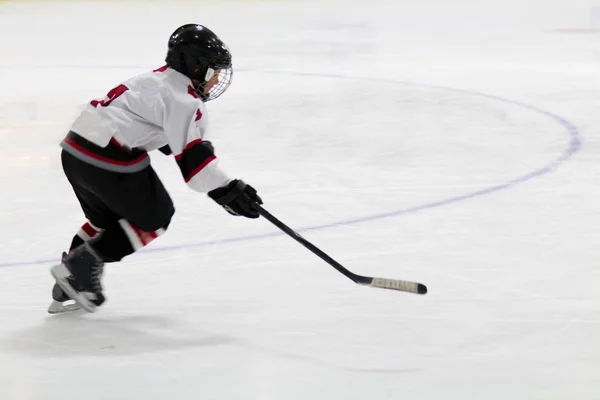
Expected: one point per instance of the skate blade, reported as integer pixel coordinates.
(60, 273)
(59, 308)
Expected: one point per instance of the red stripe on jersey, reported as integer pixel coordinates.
(111, 96)
(187, 147)
(199, 168)
(97, 157)
(161, 69)
(198, 115)
(87, 228)
(192, 92)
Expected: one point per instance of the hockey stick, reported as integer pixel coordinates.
(404, 286)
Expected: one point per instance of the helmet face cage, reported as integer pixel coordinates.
(224, 80)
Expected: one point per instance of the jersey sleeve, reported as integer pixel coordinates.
(185, 125)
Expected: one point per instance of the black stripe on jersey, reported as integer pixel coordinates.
(113, 153)
(113, 157)
(195, 157)
(166, 150)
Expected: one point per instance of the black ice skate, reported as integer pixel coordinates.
(79, 278)
(60, 301)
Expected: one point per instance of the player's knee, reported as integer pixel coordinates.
(156, 221)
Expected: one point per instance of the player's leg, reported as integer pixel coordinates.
(61, 302)
(133, 209)
(87, 232)
(144, 208)
(98, 215)
(80, 270)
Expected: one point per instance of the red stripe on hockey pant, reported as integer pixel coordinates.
(87, 228)
(145, 237)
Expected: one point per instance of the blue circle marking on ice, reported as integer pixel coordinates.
(572, 148)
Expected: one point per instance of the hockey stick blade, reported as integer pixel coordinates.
(382, 283)
(394, 284)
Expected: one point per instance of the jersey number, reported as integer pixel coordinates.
(113, 94)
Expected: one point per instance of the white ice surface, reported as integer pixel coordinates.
(325, 119)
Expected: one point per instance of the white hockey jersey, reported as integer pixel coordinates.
(145, 113)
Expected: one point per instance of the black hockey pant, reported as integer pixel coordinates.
(126, 211)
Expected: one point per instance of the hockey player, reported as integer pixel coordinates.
(105, 160)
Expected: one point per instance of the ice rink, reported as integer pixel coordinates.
(453, 143)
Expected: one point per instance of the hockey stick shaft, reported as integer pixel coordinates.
(405, 286)
(296, 236)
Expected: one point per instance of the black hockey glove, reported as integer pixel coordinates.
(236, 198)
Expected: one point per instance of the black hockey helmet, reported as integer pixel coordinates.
(195, 51)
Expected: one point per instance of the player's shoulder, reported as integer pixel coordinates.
(169, 78)
(177, 87)
(144, 85)
(149, 79)
(167, 87)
